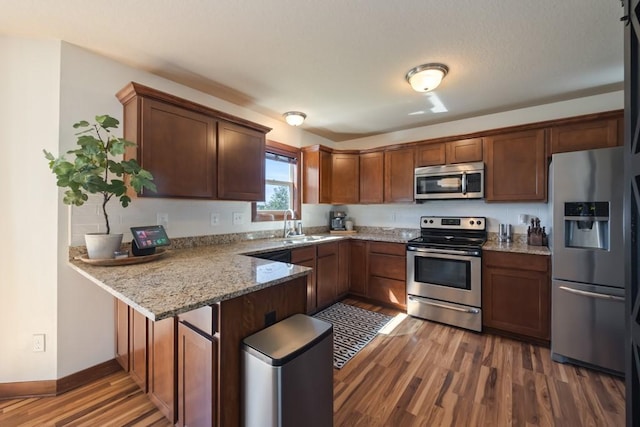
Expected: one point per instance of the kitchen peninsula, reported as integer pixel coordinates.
(180, 320)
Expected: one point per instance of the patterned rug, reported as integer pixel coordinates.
(353, 328)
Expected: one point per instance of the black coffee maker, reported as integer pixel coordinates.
(337, 220)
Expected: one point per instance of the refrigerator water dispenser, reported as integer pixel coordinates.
(586, 225)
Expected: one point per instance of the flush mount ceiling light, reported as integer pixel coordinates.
(294, 118)
(426, 77)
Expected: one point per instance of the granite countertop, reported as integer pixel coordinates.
(188, 278)
(516, 246)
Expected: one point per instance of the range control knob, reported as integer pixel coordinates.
(479, 222)
(430, 221)
(471, 222)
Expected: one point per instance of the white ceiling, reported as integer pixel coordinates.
(343, 62)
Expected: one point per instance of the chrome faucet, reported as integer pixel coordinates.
(287, 230)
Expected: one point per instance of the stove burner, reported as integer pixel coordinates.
(451, 233)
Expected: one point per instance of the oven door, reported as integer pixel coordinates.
(444, 276)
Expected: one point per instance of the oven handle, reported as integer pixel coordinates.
(451, 254)
(447, 307)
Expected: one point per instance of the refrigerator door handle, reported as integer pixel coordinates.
(592, 294)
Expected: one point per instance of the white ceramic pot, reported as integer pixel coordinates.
(101, 245)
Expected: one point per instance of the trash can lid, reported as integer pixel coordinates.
(284, 341)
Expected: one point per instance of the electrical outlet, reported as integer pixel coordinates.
(162, 219)
(215, 218)
(38, 342)
(237, 218)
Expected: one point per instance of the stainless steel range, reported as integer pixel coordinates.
(444, 271)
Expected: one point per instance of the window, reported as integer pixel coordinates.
(282, 183)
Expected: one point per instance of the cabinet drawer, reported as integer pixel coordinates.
(388, 248)
(204, 318)
(388, 291)
(303, 254)
(327, 249)
(516, 261)
(389, 266)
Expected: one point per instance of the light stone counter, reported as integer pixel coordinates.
(191, 277)
(516, 246)
(186, 279)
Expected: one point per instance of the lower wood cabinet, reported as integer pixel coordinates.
(516, 297)
(162, 366)
(306, 256)
(197, 380)
(358, 267)
(387, 273)
(327, 274)
(330, 277)
(184, 361)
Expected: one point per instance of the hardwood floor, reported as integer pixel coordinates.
(427, 374)
(421, 374)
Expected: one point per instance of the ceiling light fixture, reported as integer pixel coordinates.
(294, 118)
(426, 77)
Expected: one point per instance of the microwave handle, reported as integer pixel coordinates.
(464, 183)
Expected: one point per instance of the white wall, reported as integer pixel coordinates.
(29, 108)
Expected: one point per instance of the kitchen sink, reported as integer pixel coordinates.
(301, 239)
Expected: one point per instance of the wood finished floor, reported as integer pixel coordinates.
(421, 374)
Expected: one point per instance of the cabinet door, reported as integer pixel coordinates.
(372, 177)
(387, 273)
(178, 147)
(345, 179)
(516, 294)
(585, 136)
(327, 274)
(197, 380)
(316, 176)
(343, 267)
(516, 167)
(162, 366)
(398, 175)
(306, 256)
(138, 348)
(240, 163)
(465, 150)
(122, 333)
(430, 154)
(358, 267)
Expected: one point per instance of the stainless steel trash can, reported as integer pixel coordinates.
(288, 374)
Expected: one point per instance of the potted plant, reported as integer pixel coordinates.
(96, 170)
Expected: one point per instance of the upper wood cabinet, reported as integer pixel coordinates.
(431, 154)
(464, 150)
(440, 153)
(586, 135)
(193, 151)
(316, 174)
(240, 163)
(398, 175)
(345, 178)
(177, 146)
(516, 167)
(372, 177)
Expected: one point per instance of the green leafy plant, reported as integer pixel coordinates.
(95, 170)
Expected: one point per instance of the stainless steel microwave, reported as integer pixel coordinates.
(458, 181)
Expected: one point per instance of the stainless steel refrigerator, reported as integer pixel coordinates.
(587, 297)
